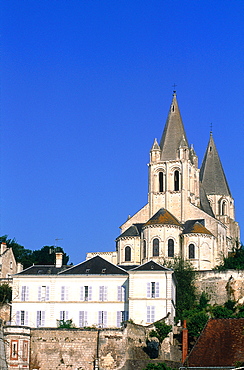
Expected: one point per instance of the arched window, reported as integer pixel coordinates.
(161, 181)
(191, 251)
(127, 253)
(176, 180)
(144, 248)
(155, 247)
(170, 248)
(223, 209)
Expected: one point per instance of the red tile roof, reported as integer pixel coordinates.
(220, 344)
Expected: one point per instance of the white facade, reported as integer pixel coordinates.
(93, 298)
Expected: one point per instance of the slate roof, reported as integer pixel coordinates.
(204, 202)
(95, 266)
(163, 217)
(174, 133)
(43, 270)
(220, 344)
(149, 266)
(212, 174)
(196, 227)
(134, 230)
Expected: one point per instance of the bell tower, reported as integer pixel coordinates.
(173, 172)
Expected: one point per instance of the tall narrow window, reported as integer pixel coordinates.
(223, 210)
(127, 253)
(150, 314)
(25, 293)
(102, 319)
(103, 293)
(82, 318)
(155, 247)
(40, 318)
(161, 181)
(191, 251)
(153, 289)
(170, 248)
(144, 248)
(176, 180)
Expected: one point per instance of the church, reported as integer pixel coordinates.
(190, 211)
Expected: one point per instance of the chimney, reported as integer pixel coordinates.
(19, 267)
(59, 259)
(184, 342)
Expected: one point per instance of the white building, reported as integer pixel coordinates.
(93, 293)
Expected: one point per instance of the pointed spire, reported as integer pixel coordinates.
(212, 174)
(155, 145)
(174, 133)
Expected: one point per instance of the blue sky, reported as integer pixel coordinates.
(86, 87)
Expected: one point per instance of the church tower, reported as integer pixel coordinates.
(173, 171)
(214, 181)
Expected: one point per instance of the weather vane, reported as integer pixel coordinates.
(174, 86)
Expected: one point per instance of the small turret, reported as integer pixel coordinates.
(155, 152)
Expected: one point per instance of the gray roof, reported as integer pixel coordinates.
(95, 266)
(212, 174)
(42, 270)
(174, 134)
(204, 202)
(151, 265)
(133, 230)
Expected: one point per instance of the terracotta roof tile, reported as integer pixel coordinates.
(163, 217)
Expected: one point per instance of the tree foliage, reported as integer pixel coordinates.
(159, 366)
(185, 289)
(161, 331)
(27, 257)
(5, 293)
(235, 261)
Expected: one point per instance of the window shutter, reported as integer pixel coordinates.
(148, 314)
(27, 294)
(62, 293)
(61, 315)
(26, 318)
(82, 318)
(23, 293)
(105, 293)
(39, 293)
(38, 318)
(119, 318)
(42, 318)
(148, 290)
(90, 293)
(47, 293)
(66, 315)
(81, 293)
(152, 313)
(157, 290)
(119, 294)
(100, 317)
(105, 319)
(17, 318)
(126, 315)
(66, 293)
(101, 289)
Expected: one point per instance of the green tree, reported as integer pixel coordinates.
(185, 289)
(161, 331)
(221, 312)
(196, 323)
(5, 293)
(235, 261)
(159, 366)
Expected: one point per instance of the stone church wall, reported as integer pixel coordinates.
(221, 286)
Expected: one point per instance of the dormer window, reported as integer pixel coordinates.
(103, 271)
(87, 271)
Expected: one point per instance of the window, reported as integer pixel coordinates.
(161, 181)
(155, 247)
(14, 350)
(24, 293)
(43, 293)
(223, 210)
(127, 253)
(191, 251)
(63, 315)
(150, 314)
(25, 350)
(103, 290)
(144, 249)
(11, 265)
(21, 318)
(64, 293)
(40, 318)
(121, 317)
(86, 293)
(82, 318)
(102, 319)
(153, 289)
(176, 180)
(170, 248)
(121, 293)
